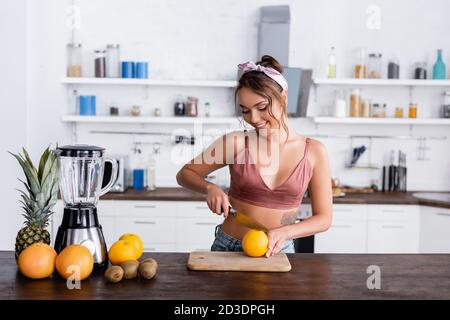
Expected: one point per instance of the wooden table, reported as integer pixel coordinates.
(313, 276)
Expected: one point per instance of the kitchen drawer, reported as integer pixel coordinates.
(146, 208)
(197, 230)
(195, 209)
(355, 212)
(393, 237)
(159, 247)
(434, 230)
(151, 230)
(393, 212)
(344, 236)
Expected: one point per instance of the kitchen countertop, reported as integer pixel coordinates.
(313, 276)
(181, 194)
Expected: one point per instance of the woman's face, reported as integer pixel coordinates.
(255, 109)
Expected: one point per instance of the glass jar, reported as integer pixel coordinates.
(113, 60)
(74, 60)
(374, 66)
(191, 107)
(360, 66)
(340, 104)
(420, 70)
(355, 101)
(398, 112)
(412, 110)
(445, 104)
(366, 108)
(379, 110)
(393, 69)
(100, 63)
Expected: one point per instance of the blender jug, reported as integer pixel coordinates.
(81, 169)
(81, 174)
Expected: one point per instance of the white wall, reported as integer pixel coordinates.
(13, 122)
(202, 39)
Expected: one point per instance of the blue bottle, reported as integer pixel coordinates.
(138, 179)
(439, 67)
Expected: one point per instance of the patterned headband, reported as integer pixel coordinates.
(270, 72)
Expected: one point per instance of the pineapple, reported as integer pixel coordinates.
(39, 199)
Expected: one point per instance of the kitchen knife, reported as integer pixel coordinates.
(246, 220)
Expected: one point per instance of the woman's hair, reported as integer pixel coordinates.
(264, 86)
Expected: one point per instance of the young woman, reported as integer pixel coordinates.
(271, 167)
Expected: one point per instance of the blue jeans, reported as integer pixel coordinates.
(225, 242)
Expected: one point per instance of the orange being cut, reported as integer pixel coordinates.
(255, 243)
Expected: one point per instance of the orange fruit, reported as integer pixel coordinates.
(137, 242)
(72, 256)
(122, 251)
(255, 243)
(37, 261)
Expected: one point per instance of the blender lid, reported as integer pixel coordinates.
(80, 150)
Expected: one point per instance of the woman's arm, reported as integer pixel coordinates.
(321, 200)
(217, 155)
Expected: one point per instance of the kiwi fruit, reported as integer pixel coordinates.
(148, 268)
(114, 274)
(130, 269)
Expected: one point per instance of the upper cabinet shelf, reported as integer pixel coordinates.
(151, 82)
(422, 121)
(143, 119)
(383, 82)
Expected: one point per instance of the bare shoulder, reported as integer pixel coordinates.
(317, 151)
(232, 143)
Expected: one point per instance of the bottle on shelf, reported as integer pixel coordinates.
(151, 168)
(439, 72)
(331, 66)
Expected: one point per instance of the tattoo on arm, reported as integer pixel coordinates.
(288, 218)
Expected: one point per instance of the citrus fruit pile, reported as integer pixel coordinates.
(40, 260)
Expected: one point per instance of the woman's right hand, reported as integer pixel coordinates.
(217, 200)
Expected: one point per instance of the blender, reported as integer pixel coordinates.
(81, 169)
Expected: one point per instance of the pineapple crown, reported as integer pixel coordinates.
(41, 186)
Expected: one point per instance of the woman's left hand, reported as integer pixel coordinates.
(277, 237)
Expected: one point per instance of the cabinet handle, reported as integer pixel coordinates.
(145, 206)
(149, 249)
(343, 209)
(443, 214)
(393, 211)
(392, 227)
(144, 222)
(343, 226)
(205, 223)
(201, 207)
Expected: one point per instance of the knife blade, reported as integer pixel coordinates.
(246, 220)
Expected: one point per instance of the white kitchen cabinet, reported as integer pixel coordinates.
(348, 231)
(434, 230)
(393, 229)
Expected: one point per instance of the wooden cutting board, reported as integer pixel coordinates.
(236, 261)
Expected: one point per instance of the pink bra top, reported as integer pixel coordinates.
(247, 184)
